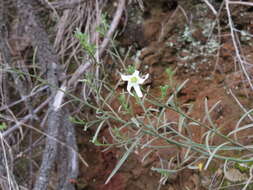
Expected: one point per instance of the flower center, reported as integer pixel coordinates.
(133, 79)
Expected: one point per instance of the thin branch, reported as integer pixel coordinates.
(66, 4)
(240, 3)
(23, 98)
(83, 67)
(17, 125)
(113, 26)
(211, 7)
(237, 51)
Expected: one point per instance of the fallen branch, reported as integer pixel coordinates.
(68, 158)
(49, 62)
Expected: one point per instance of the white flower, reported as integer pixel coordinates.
(134, 81)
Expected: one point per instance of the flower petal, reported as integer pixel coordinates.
(138, 90)
(141, 80)
(136, 73)
(129, 86)
(125, 77)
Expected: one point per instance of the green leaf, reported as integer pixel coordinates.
(162, 171)
(123, 159)
(3, 126)
(131, 69)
